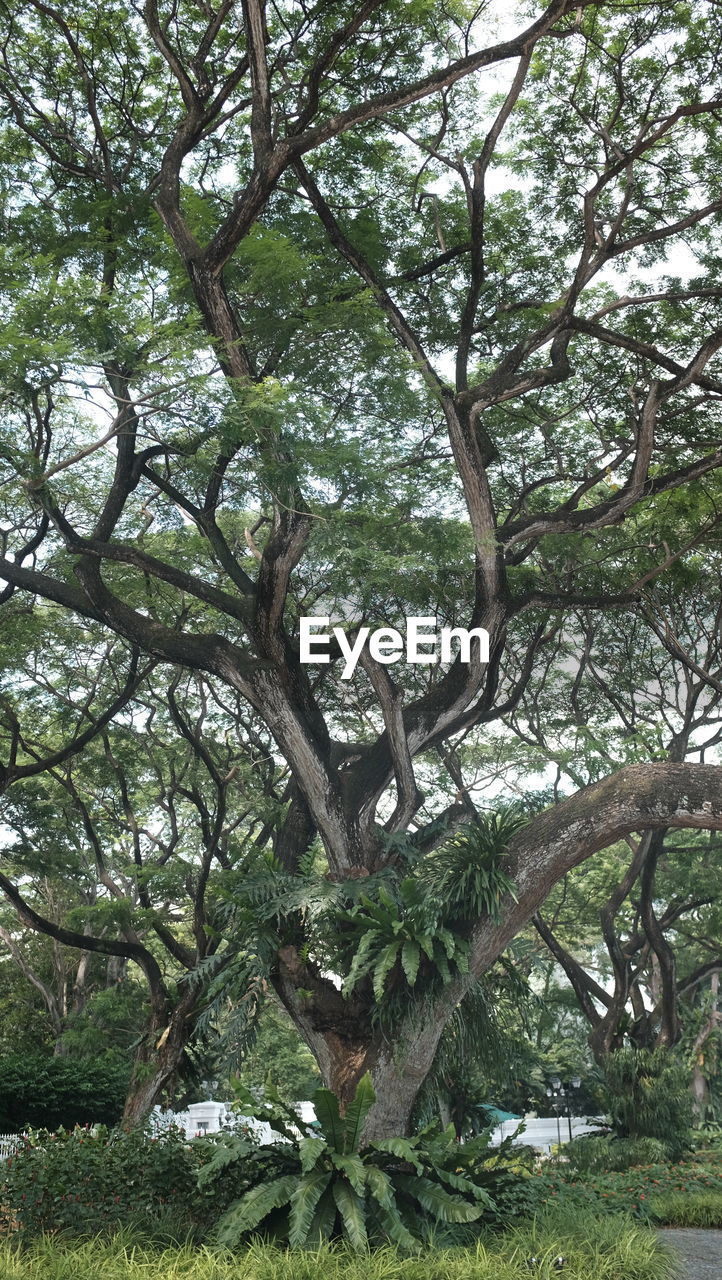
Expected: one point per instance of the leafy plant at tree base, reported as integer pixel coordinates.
(327, 1187)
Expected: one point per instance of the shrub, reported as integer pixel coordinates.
(648, 1096)
(688, 1209)
(597, 1154)
(613, 1193)
(87, 1181)
(47, 1093)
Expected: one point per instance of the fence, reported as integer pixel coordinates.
(9, 1142)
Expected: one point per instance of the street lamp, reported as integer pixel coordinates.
(559, 1093)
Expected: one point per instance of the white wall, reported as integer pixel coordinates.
(543, 1133)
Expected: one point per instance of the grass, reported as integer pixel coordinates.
(597, 1249)
(679, 1209)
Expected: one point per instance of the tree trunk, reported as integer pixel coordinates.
(157, 1063)
(700, 1081)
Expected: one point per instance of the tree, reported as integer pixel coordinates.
(248, 253)
(132, 848)
(653, 900)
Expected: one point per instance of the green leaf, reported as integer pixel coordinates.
(460, 1183)
(426, 942)
(324, 1218)
(410, 958)
(304, 1202)
(384, 965)
(397, 1232)
(352, 1167)
(438, 1202)
(379, 1186)
(403, 1148)
(442, 964)
(329, 1117)
(357, 1111)
(361, 961)
(351, 1207)
(309, 1149)
(448, 941)
(253, 1207)
(229, 1150)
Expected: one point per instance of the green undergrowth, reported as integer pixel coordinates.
(685, 1209)
(630, 1192)
(597, 1249)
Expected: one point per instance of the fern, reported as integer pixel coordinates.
(304, 1204)
(253, 1207)
(328, 1114)
(356, 1113)
(431, 1197)
(352, 1168)
(403, 1148)
(332, 1189)
(466, 874)
(309, 1149)
(391, 935)
(351, 1208)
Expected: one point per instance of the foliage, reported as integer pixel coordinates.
(648, 1096)
(593, 1253)
(680, 1209)
(254, 251)
(278, 1054)
(708, 1142)
(466, 873)
(85, 1181)
(631, 1192)
(601, 1154)
(38, 1092)
(325, 1185)
(396, 933)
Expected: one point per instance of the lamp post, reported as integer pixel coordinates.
(560, 1094)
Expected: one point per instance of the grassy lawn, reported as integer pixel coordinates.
(599, 1249)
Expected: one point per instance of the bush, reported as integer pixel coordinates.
(47, 1093)
(613, 1193)
(85, 1182)
(597, 1154)
(648, 1096)
(680, 1209)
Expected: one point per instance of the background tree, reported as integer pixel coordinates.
(207, 274)
(129, 851)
